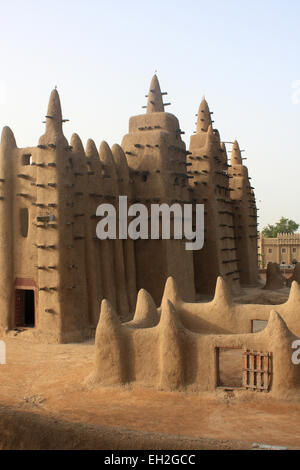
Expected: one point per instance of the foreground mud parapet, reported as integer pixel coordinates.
(182, 350)
(223, 315)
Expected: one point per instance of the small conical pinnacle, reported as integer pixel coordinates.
(54, 114)
(76, 143)
(210, 136)
(93, 157)
(236, 157)
(204, 117)
(223, 147)
(8, 138)
(155, 101)
(120, 162)
(91, 149)
(106, 154)
(106, 159)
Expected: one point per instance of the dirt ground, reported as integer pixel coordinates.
(42, 391)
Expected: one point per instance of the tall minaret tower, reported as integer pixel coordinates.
(8, 151)
(125, 189)
(156, 158)
(245, 217)
(63, 309)
(210, 183)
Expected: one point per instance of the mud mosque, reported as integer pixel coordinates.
(140, 298)
(54, 270)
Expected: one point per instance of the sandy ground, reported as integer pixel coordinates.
(43, 381)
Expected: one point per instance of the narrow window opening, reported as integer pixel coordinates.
(24, 222)
(26, 159)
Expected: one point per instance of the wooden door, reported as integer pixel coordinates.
(19, 307)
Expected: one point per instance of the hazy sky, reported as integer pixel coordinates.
(242, 55)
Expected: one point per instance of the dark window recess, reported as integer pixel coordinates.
(26, 160)
(24, 222)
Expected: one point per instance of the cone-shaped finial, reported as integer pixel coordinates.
(236, 156)
(108, 317)
(171, 291)
(91, 149)
(294, 297)
(169, 318)
(8, 138)
(277, 328)
(109, 353)
(54, 114)
(105, 153)
(224, 156)
(120, 161)
(222, 293)
(145, 313)
(155, 101)
(210, 136)
(76, 143)
(217, 136)
(204, 117)
(107, 160)
(171, 365)
(93, 156)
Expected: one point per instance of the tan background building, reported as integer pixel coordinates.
(282, 250)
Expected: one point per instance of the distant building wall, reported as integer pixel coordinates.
(284, 249)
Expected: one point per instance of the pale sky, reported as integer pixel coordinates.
(242, 55)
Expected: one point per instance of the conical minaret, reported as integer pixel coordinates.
(62, 316)
(236, 156)
(245, 217)
(93, 244)
(128, 245)
(18, 231)
(8, 150)
(109, 192)
(156, 157)
(54, 117)
(155, 100)
(79, 224)
(210, 186)
(113, 261)
(204, 117)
